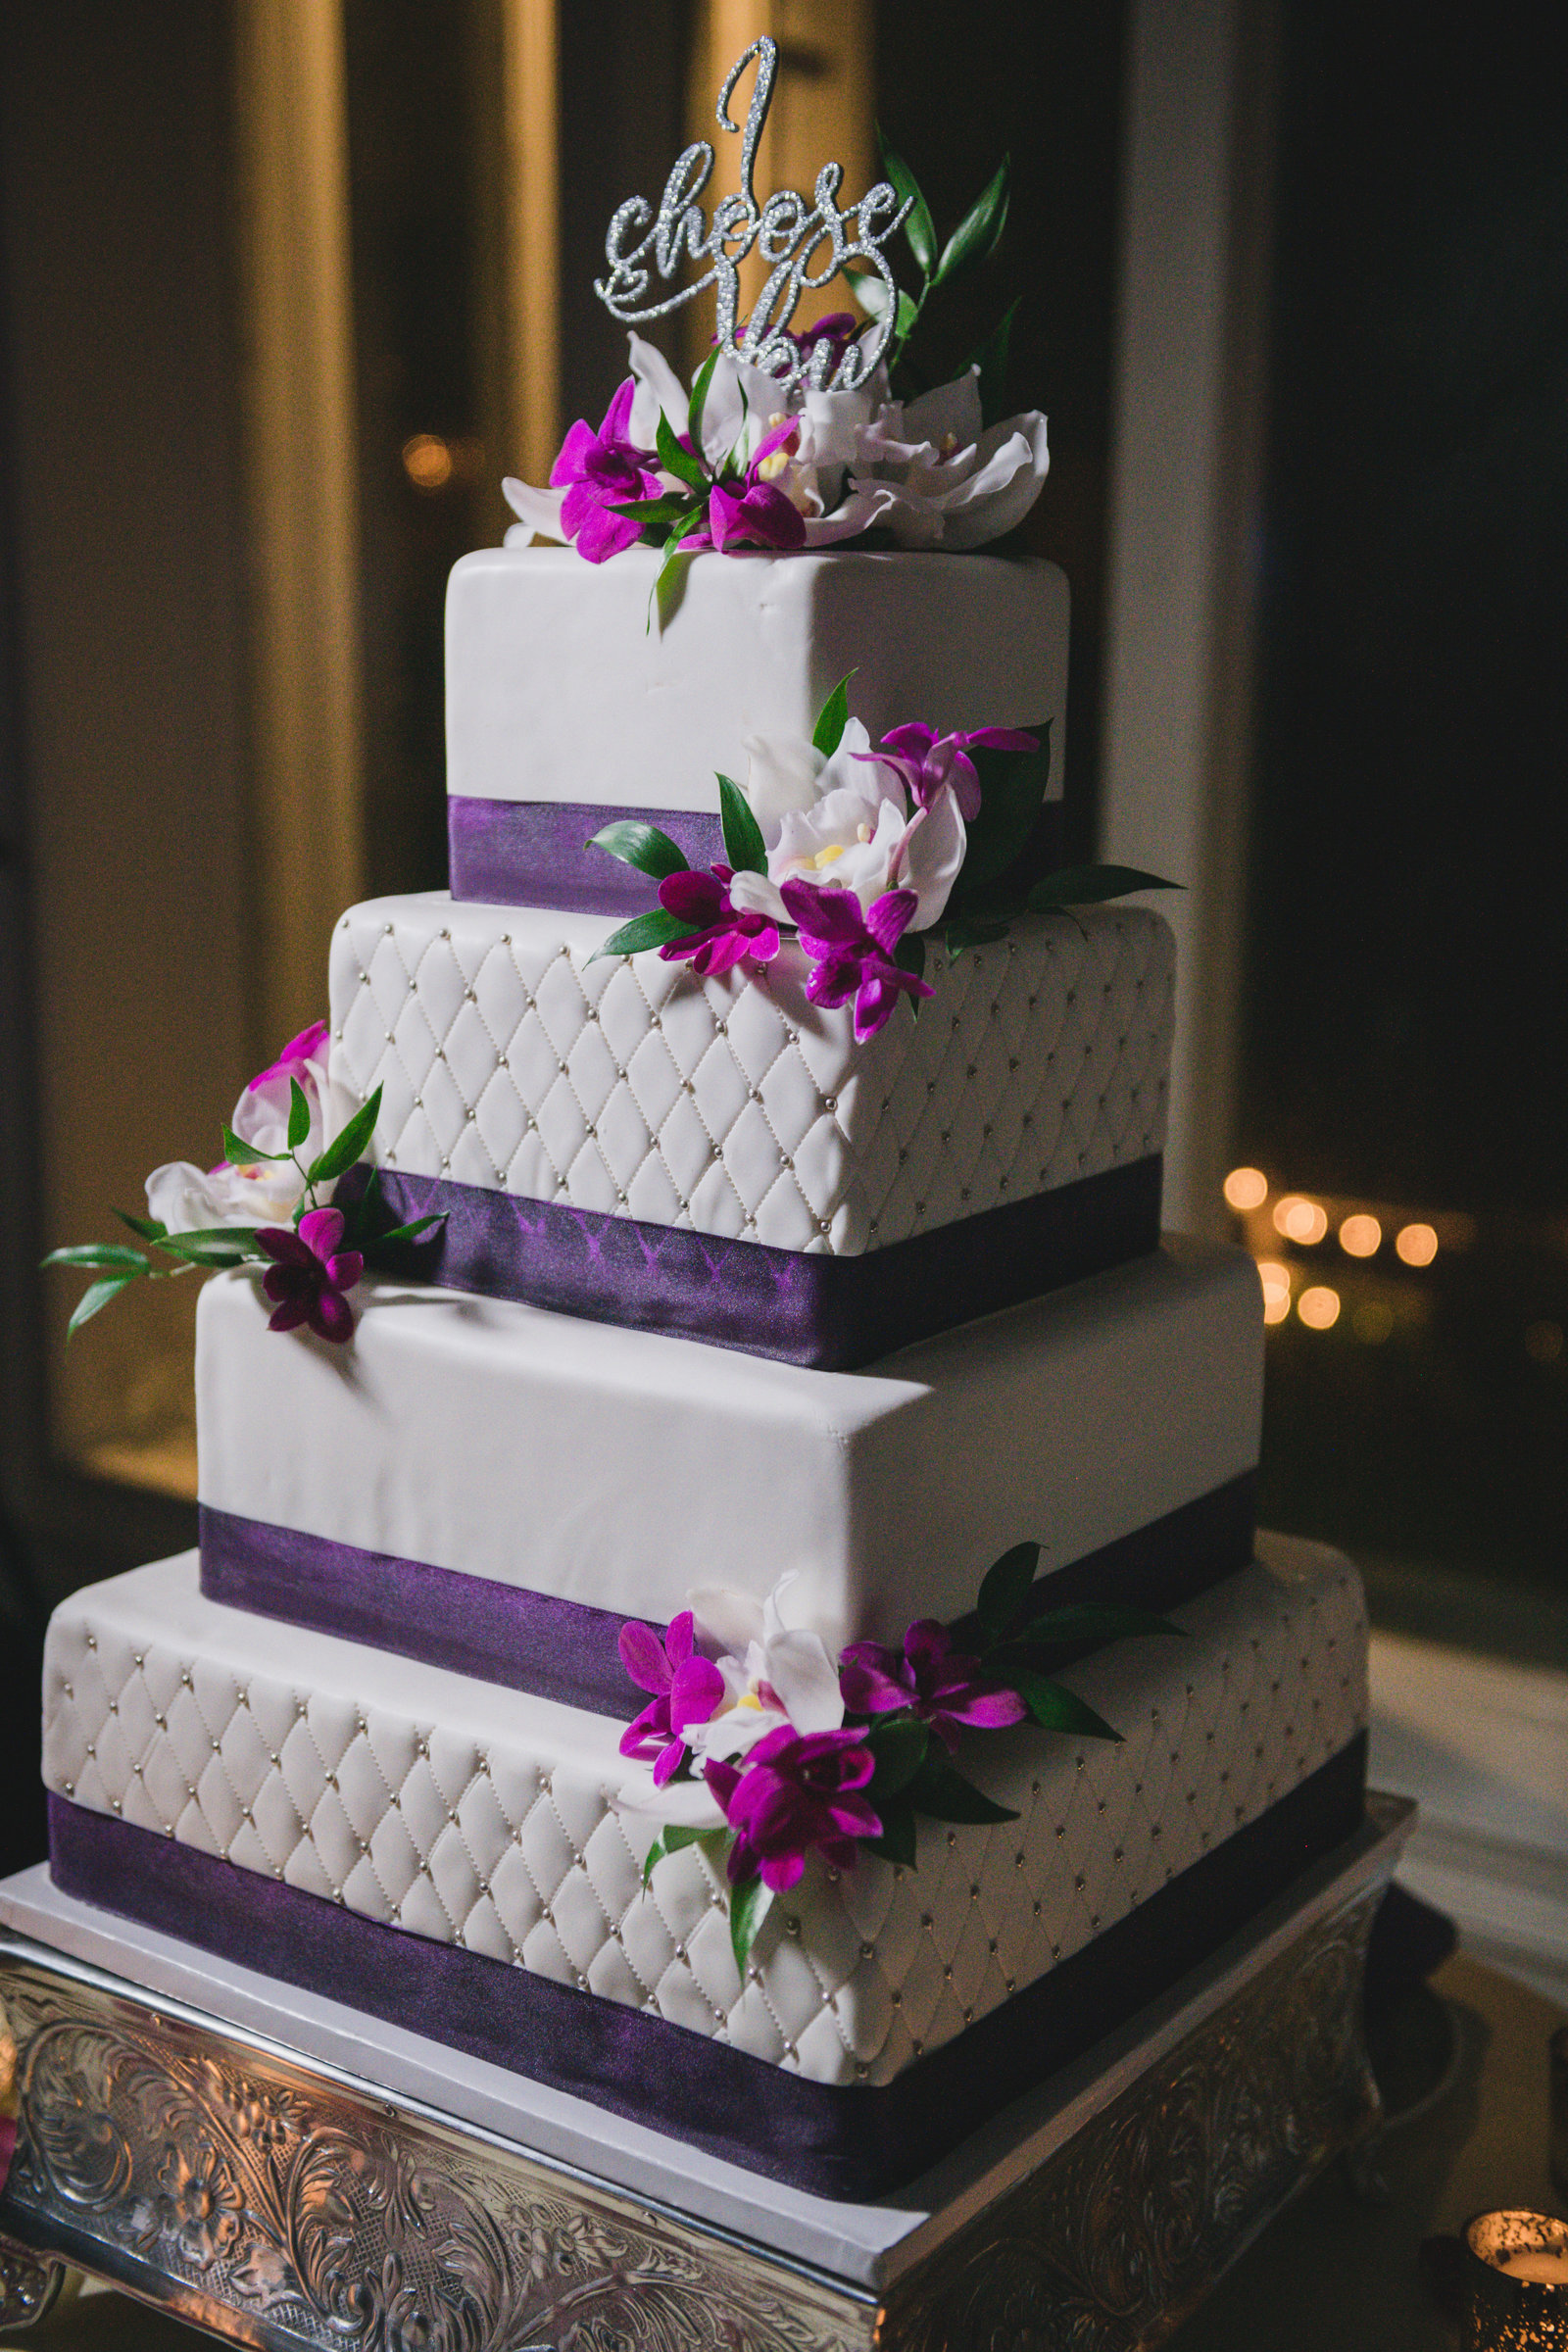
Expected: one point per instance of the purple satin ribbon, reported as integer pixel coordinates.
(565, 1650)
(536, 854)
(853, 2142)
(832, 1314)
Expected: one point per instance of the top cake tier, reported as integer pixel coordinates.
(569, 705)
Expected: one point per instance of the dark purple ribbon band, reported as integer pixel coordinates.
(837, 2141)
(831, 1314)
(564, 1650)
(536, 854)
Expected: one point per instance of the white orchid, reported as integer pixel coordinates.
(846, 821)
(775, 1674)
(262, 1191)
(937, 477)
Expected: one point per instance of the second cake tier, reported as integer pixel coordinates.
(622, 1139)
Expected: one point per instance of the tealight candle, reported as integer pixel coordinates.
(1515, 2296)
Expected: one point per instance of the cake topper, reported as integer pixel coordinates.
(786, 232)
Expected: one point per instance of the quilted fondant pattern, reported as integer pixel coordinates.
(448, 1808)
(512, 1062)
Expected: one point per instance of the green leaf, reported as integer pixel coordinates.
(833, 718)
(299, 1115)
(918, 225)
(979, 232)
(1012, 789)
(658, 514)
(670, 1839)
(1088, 885)
(749, 1905)
(961, 935)
(654, 929)
(342, 1152)
(909, 313)
(1092, 1621)
(408, 1233)
(213, 1245)
(1054, 1708)
(869, 291)
(991, 361)
(940, 1790)
(910, 956)
(1005, 1588)
(743, 834)
(677, 461)
(899, 1743)
(104, 1254)
(698, 399)
(670, 585)
(642, 845)
(96, 1298)
(897, 1841)
(150, 1228)
(241, 1155)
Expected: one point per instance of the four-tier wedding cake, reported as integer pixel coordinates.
(727, 1579)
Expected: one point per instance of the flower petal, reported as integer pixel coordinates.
(643, 1655)
(322, 1230)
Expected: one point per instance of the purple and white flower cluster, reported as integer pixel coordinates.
(767, 1751)
(763, 467)
(752, 1730)
(267, 1204)
(848, 846)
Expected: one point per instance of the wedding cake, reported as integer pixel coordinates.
(727, 1577)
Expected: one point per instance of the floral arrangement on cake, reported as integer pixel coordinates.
(860, 852)
(789, 439)
(764, 1750)
(268, 1203)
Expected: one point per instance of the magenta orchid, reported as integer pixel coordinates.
(600, 471)
(928, 763)
(795, 1791)
(685, 1689)
(308, 1274)
(753, 511)
(723, 934)
(943, 1686)
(851, 953)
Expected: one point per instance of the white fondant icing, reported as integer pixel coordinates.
(558, 687)
(510, 1060)
(619, 1468)
(466, 1813)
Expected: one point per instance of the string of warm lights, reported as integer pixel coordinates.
(1296, 1219)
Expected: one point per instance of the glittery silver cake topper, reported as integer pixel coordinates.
(786, 232)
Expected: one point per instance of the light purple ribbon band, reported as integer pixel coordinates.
(536, 854)
(563, 1649)
(848, 2141)
(832, 1314)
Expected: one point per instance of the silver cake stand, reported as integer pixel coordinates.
(283, 2172)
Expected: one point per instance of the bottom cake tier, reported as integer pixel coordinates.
(449, 1854)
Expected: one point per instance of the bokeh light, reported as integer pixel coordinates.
(1299, 1220)
(1417, 1245)
(1244, 1189)
(427, 461)
(1361, 1236)
(1319, 1308)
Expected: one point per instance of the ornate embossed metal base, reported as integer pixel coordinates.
(275, 2200)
